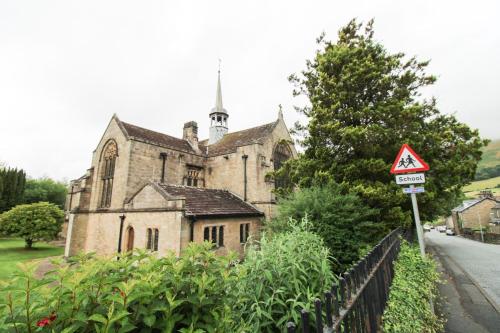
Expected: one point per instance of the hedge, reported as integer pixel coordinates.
(413, 288)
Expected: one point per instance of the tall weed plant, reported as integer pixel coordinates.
(283, 274)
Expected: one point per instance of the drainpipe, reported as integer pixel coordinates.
(191, 229)
(122, 220)
(245, 157)
(163, 156)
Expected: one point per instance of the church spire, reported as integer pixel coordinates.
(218, 116)
(218, 98)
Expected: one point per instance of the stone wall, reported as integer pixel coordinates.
(146, 165)
(227, 171)
(113, 132)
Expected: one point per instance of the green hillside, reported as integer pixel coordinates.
(491, 155)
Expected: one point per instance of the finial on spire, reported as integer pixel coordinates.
(220, 60)
(280, 112)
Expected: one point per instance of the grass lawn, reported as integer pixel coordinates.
(12, 251)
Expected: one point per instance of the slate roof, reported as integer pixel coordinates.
(148, 136)
(468, 204)
(227, 145)
(231, 141)
(204, 202)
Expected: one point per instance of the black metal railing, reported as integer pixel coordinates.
(356, 303)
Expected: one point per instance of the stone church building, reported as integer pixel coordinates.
(150, 190)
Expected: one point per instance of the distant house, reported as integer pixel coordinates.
(473, 213)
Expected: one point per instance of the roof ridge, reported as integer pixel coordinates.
(147, 129)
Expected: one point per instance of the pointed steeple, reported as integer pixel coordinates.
(218, 116)
(218, 97)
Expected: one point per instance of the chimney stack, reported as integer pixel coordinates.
(190, 133)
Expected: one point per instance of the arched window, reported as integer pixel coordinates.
(281, 154)
(152, 239)
(108, 160)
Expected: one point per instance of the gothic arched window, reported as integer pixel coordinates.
(281, 154)
(108, 160)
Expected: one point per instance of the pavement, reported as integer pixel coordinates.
(471, 283)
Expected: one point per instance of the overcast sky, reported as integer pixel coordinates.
(67, 66)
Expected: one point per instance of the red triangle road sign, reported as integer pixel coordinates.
(408, 161)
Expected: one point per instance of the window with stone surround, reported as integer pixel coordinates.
(108, 161)
(152, 235)
(244, 232)
(193, 176)
(214, 234)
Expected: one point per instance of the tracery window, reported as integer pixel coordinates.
(281, 154)
(108, 161)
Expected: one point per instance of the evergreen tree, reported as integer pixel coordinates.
(12, 183)
(364, 104)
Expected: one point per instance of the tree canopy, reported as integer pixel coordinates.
(45, 189)
(40, 221)
(12, 183)
(364, 103)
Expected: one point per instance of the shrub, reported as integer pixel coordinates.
(137, 293)
(340, 219)
(283, 274)
(414, 286)
(33, 222)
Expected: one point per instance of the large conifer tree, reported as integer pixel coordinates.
(365, 102)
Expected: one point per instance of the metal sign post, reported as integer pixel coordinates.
(407, 162)
(420, 232)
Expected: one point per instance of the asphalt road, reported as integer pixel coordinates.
(471, 294)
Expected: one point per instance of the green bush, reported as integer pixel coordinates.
(340, 219)
(35, 222)
(197, 292)
(140, 292)
(413, 288)
(282, 275)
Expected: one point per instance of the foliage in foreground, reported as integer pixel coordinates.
(40, 221)
(414, 286)
(341, 220)
(282, 276)
(138, 292)
(364, 103)
(197, 292)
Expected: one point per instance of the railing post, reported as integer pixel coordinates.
(357, 302)
(328, 309)
(304, 316)
(318, 313)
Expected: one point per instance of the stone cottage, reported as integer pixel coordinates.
(150, 190)
(472, 213)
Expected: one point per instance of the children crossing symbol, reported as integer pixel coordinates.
(408, 161)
